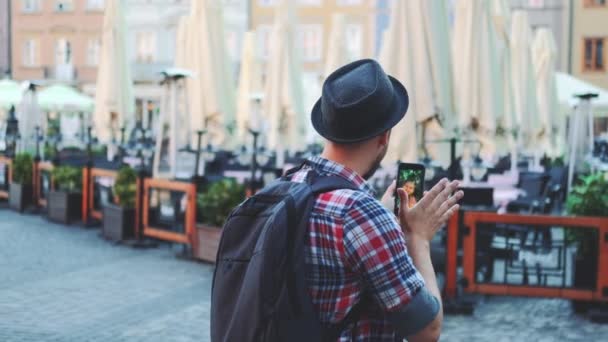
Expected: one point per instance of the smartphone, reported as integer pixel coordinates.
(410, 177)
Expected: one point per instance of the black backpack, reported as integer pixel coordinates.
(259, 288)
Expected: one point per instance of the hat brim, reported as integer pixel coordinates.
(397, 111)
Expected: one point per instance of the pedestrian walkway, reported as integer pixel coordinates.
(64, 283)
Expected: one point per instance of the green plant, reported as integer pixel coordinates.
(67, 178)
(216, 203)
(125, 186)
(588, 198)
(23, 168)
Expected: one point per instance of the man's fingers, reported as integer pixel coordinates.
(433, 193)
(444, 195)
(403, 198)
(451, 201)
(446, 216)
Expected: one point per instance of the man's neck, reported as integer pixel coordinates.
(347, 161)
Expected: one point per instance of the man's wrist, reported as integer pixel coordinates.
(417, 241)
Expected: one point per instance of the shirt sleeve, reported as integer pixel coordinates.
(375, 248)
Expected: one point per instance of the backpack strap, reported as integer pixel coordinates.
(321, 184)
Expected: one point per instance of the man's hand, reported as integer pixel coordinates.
(434, 209)
(388, 199)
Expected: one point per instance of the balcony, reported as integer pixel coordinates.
(61, 72)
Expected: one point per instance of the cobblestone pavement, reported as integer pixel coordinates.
(64, 283)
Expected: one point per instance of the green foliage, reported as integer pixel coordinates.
(411, 176)
(589, 198)
(49, 152)
(23, 168)
(216, 203)
(67, 178)
(126, 186)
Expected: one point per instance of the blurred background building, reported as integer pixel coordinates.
(5, 38)
(56, 40)
(60, 40)
(314, 24)
(588, 36)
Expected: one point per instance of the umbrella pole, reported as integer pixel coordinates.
(573, 146)
(173, 142)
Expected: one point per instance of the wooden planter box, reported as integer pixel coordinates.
(64, 207)
(208, 241)
(118, 222)
(20, 196)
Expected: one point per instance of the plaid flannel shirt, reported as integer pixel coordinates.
(356, 243)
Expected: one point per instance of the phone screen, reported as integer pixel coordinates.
(410, 177)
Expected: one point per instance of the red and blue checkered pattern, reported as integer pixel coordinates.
(356, 243)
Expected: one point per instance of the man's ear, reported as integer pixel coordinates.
(384, 138)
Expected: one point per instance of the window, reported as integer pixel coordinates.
(263, 33)
(63, 52)
(95, 5)
(595, 3)
(146, 47)
(30, 6)
(349, 2)
(594, 59)
(93, 51)
(354, 40)
(310, 2)
(64, 5)
(536, 3)
(311, 38)
(267, 2)
(29, 53)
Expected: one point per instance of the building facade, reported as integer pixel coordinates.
(587, 40)
(56, 40)
(314, 26)
(5, 38)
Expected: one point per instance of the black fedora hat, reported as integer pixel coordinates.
(359, 102)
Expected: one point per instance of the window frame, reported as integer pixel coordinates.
(584, 67)
(346, 3)
(93, 44)
(317, 29)
(29, 54)
(88, 7)
(37, 9)
(594, 4)
(70, 10)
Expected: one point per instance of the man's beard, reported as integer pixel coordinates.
(375, 166)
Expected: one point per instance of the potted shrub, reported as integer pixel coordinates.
(21, 189)
(64, 201)
(119, 218)
(213, 207)
(589, 198)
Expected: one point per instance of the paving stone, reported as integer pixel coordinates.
(64, 283)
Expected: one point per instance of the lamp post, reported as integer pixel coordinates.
(12, 134)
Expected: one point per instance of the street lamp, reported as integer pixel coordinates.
(12, 134)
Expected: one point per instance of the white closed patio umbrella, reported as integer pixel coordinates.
(114, 101)
(337, 51)
(30, 116)
(505, 141)
(544, 53)
(524, 83)
(476, 75)
(416, 51)
(211, 90)
(250, 83)
(283, 94)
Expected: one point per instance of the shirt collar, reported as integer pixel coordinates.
(329, 167)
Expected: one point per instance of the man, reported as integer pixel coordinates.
(358, 252)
